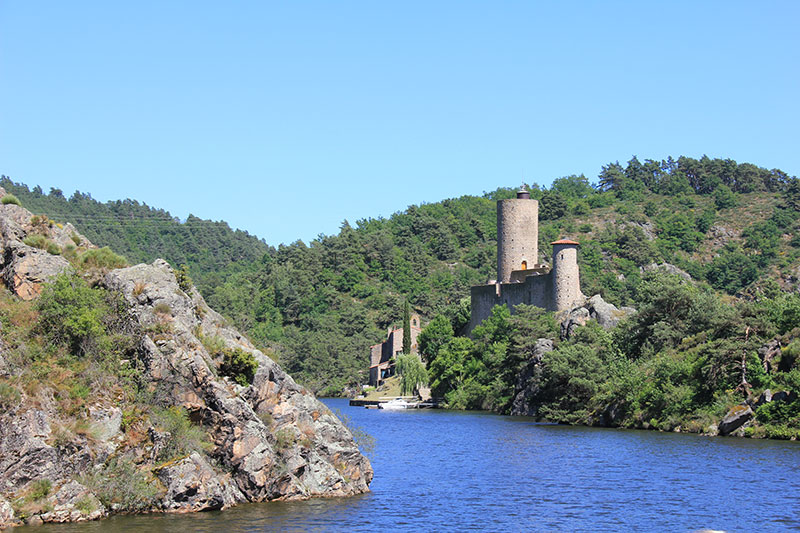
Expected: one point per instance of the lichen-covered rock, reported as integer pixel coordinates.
(192, 485)
(275, 438)
(606, 314)
(527, 386)
(736, 418)
(74, 503)
(24, 268)
(7, 517)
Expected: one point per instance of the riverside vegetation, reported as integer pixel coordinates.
(731, 226)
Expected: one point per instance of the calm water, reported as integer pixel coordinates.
(446, 471)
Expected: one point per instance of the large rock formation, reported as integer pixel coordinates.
(269, 440)
(606, 314)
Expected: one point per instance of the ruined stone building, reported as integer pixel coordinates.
(520, 279)
(383, 355)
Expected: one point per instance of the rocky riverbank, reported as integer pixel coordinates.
(72, 451)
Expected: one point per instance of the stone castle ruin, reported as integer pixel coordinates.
(520, 279)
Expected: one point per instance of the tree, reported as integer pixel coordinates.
(407, 328)
(436, 334)
(412, 373)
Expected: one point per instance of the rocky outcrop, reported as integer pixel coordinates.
(606, 314)
(668, 268)
(74, 503)
(276, 440)
(192, 485)
(527, 386)
(268, 440)
(23, 268)
(736, 418)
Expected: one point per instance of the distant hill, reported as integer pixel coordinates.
(321, 304)
(142, 233)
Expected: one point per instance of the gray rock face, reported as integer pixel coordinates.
(276, 439)
(736, 418)
(769, 351)
(270, 440)
(74, 503)
(192, 485)
(668, 268)
(527, 386)
(606, 314)
(7, 517)
(24, 268)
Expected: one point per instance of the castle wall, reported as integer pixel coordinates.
(517, 236)
(536, 290)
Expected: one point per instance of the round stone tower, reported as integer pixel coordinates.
(517, 235)
(565, 275)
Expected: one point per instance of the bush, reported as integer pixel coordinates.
(71, 312)
(10, 199)
(239, 365)
(185, 437)
(412, 373)
(122, 485)
(102, 258)
(724, 197)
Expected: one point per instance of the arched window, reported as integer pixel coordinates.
(524, 265)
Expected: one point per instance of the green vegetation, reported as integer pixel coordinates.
(184, 436)
(682, 361)
(10, 199)
(412, 373)
(122, 485)
(322, 304)
(239, 365)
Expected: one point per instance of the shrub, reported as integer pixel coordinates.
(9, 396)
(10, 199)
(122, 485)
(183, 279)
(53, 249)
(40, 489)
(102, 258)
(239, 365)
(71, 312)
(185, 437)
(76, 239)
(37, 241)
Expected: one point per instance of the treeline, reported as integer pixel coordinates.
(681, 362)
(142, 233)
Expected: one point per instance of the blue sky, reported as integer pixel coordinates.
(285, 118)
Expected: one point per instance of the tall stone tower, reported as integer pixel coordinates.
(517, 235)
(565, 274)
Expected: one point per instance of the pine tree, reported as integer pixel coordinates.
(407, 329)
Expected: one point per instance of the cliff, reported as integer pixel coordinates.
(156, 405)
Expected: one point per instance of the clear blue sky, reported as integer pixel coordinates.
(285, 118)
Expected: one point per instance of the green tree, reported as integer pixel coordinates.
(407, 328)
(412, 373)
(436, 334)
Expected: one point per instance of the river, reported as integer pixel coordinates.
(451, 471)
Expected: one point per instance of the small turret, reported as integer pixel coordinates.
(566, 276)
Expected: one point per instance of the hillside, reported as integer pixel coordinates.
(320, 305)
(142, 233)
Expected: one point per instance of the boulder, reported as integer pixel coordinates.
(767, 352)
(606, 314)
(74, 503)
(577, 317)
(666, 267)
(192, 485)
(24, 269)
(736, 418)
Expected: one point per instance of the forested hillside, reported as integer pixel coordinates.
(321, 304)
(142, 233)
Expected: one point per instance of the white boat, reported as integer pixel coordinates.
(397, 403)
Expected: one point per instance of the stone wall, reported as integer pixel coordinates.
(536, 290)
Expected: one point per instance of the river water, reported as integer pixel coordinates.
(451, 471)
